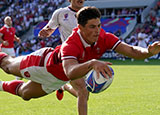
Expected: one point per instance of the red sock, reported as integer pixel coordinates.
(2, 55)
(12, 86)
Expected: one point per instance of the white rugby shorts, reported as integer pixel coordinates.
(39, 74)
(9, 51)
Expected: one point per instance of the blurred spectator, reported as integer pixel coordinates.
(142, 40)
(25, 13)
(8, 36)
(118, 32)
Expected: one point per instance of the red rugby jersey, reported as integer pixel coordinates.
(76, 48)
(8, 35)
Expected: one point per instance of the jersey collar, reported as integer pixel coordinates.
(72, 9)
(6, 26)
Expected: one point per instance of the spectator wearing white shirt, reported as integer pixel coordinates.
(142, 40)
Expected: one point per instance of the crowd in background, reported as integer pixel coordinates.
(4, 4)
(35, 43)
(25, 13)
(29, 12)
(151, 28)
(29, 46)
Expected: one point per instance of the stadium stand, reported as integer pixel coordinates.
(25, 14)
(125, 18)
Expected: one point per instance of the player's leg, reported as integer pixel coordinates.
(31, 90)
(83, 95)
(10, 65)
(70, 89)
(66, 87)
(25, 90)
(11, 52)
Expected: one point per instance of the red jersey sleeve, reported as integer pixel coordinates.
(109, 40)
(112, 41)
(70, 51)
(2, 30)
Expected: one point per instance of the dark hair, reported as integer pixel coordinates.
(87, 13)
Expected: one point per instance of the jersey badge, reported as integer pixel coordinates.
(27, 74)
(65, 17)
(98, 50)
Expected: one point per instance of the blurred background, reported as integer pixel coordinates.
(124, 18)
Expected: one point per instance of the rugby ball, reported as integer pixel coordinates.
(97, 85)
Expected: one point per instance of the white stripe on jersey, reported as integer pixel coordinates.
(115, 45)
(69, 57)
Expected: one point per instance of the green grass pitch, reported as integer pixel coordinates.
(135, 91)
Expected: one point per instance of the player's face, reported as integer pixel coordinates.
(8, 22)
(90, 32)
(77, 4)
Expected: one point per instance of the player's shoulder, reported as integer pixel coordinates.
(73, 39)
(103, 33)
(65, 9)
(107, 36)
(3, 28)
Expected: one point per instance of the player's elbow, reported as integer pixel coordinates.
(70, 76)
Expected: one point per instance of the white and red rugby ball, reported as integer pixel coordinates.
(97, 85)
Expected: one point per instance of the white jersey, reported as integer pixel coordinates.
(65, 20)
(142, 42)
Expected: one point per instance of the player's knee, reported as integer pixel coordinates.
(7, 70)
(5, 66)
(26, 95)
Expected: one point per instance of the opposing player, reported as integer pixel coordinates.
(48, 69)
(65, 20)
(7, 38)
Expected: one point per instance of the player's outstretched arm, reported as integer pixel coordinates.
(74, 70)
(137, 52)
(154, 48)
(46, 32)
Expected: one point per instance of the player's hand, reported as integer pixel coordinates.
(45, 32)
(5, 43)
(18, 40)
(102, 67)
(154, 48)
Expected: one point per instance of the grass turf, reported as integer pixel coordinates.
(135, 91)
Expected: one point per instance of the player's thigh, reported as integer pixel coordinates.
(14, 66)
(11, 65)
(9, 51)
(31, 89)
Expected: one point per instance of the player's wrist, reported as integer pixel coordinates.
(91, 64)
(150, 53)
